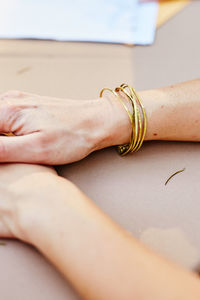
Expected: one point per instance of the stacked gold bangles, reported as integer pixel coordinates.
(137, 117)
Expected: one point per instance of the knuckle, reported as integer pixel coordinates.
(11, 108)
(12, 94)
(15, 93)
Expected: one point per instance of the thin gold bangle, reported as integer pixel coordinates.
(144, 117)
(133, 95)
(114, 92)
(135, 116)
(138, 118)
(122, 149)
(7, 134)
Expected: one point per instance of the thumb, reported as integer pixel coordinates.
(24, 148)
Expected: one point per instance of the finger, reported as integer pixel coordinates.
(26, 148)
(17, 95)
(10, 113)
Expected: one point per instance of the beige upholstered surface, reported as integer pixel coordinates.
(131, 190)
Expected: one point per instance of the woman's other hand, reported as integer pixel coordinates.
(26, 192)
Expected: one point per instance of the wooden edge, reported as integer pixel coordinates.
(169, 8)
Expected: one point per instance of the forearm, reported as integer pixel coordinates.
(101, 260)
(59, 131)
(173, 113)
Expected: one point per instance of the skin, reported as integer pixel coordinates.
(58, 131)
(99, 258)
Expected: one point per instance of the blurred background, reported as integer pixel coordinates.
(41, 52)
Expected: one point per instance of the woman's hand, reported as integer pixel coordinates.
(54, 131)
(100, 259)
(27, 192)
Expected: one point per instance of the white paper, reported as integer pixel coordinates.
(116, 21)
(145, 29)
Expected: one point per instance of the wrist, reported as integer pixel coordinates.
(37, 212)
(156, 107)
(113, 123)
(116, 122)
(155, 104)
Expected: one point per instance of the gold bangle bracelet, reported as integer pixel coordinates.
(142, 119)
(137, 117)
(7, 134)
(126, 147)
